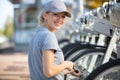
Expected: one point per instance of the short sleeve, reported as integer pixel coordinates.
(49, 42)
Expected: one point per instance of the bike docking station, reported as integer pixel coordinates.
(100, 59)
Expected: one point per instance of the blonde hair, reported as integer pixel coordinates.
(40, 18)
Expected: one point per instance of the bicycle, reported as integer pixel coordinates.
(107, 71)
(108, 51)
(110, 70)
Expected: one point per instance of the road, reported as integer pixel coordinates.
(14, 66)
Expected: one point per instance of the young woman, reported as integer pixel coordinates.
(46, 60)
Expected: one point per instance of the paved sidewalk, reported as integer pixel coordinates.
(14, 66)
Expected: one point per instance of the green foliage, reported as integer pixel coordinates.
(9, 28)
(1, 32)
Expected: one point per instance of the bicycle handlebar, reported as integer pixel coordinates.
(76, 70)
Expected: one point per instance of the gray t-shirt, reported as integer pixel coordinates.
(43, 40)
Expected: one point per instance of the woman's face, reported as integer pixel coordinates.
(54, 21)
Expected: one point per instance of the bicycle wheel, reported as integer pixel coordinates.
(82, 62)
(69, 46)
(63, 42)
(72, 48)
(107, 71)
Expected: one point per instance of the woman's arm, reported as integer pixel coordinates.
(49, 68)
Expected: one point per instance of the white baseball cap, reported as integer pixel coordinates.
(56, 6)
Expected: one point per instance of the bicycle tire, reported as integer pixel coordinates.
(87, 52)
(105, 69)
(72, 47)
(69, 46)
(77, 47)
(63, 42)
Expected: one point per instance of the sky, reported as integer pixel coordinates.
(6, 9)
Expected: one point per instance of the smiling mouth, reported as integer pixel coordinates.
(57, 24)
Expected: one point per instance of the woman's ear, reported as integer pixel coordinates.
(44, 15)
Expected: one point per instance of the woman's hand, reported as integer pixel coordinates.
(69, 65)
(66, 71)
(76, 73)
